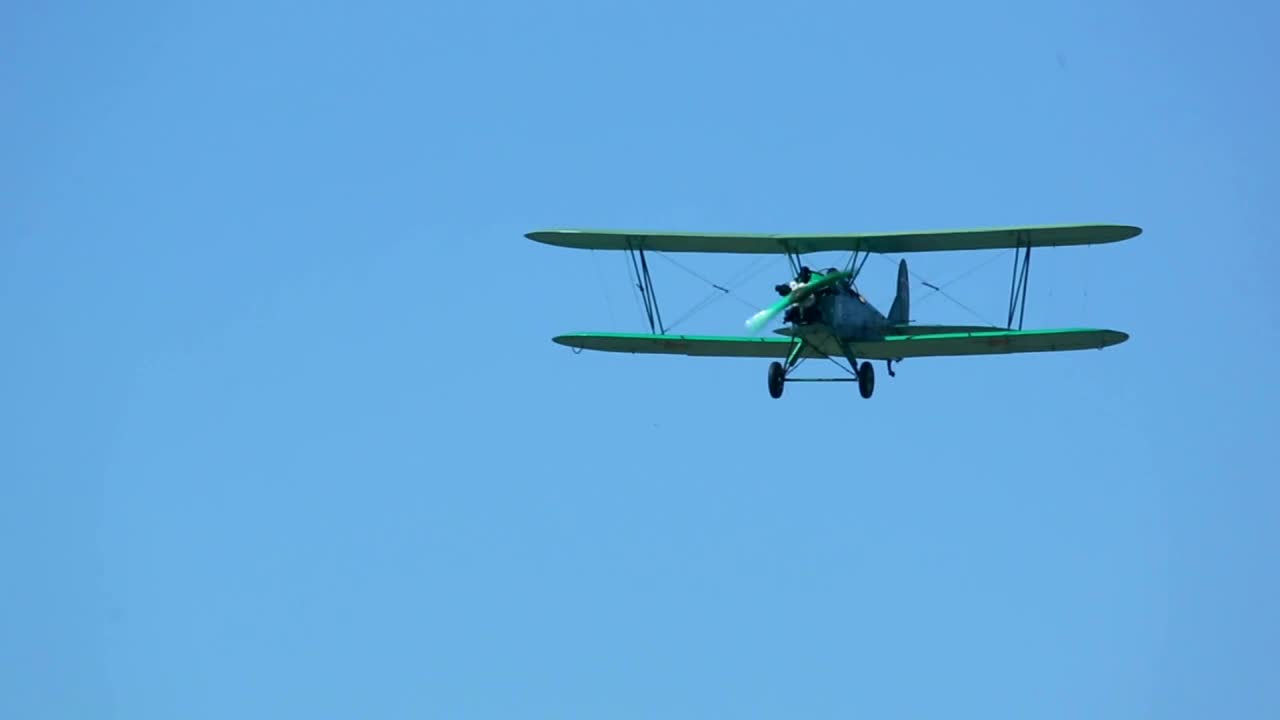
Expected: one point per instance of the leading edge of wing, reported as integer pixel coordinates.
(893, 242)
(692, 345)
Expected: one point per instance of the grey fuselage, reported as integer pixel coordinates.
(849, 316)
(841, 317)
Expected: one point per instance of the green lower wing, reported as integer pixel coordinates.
(697, 345)
(992, 342)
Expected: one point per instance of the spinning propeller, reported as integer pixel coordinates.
(816, 281)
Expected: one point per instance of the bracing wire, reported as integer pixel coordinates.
(743, 275)
(938, 289)
(608, 299)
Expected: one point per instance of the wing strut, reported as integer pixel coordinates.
(793, 258)
(644, 281)
(854, 266)
(1018, 285)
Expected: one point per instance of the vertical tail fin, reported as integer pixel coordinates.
(900, 311)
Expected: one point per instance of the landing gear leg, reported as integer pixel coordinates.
(865, 374)
(778, 372)
(889, 364)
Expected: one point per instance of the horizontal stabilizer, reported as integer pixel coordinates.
(910, 330)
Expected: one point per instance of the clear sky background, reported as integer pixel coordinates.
(284, 434)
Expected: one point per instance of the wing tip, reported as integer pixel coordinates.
(578, 342)
(549, 235)
(1113, 337)
(569, 339)
(1127, 231)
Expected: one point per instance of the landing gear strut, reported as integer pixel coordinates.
(863, 374)
(778, 371)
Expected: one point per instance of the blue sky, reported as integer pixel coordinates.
(285, 433)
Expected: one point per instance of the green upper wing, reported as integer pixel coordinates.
(990, 342)
(900, 242)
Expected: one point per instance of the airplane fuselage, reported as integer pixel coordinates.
(851, 317)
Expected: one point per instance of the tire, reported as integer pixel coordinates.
(866, 379)
(777, 376)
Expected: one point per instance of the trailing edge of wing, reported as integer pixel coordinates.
(989, 342)
(899, 242)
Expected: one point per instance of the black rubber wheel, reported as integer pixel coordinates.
(866, 379)
(777, 376)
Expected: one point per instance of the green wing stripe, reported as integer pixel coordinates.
(995, 342)
(900, 242)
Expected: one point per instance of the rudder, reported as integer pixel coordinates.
(900, 311)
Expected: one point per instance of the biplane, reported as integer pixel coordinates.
(825, 315)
